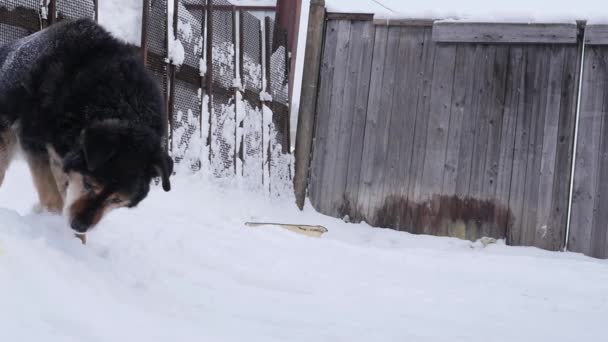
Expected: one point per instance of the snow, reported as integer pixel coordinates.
(478, 10)
(183, 267)
(122, 18)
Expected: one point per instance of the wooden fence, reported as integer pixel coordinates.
(462, 130)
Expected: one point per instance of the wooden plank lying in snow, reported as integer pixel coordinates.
(456, 32)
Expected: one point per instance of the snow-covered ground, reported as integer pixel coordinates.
(183, 267)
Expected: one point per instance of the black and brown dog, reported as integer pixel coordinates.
(88, 117)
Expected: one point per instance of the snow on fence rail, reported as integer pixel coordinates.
(226, 90)
(461, 129)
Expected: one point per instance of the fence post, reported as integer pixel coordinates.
(145, 17)
(96, 7)
(209, 74)
(171, 102)
(308, 99)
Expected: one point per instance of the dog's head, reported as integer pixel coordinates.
(112, 168)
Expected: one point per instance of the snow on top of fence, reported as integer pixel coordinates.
(478, 10)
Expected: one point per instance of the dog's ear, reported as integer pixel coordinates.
(163, 167)
(99, 144)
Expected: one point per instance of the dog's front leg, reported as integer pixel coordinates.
(7, 150)
(46, 185)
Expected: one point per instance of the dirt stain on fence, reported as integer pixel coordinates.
(466, 218)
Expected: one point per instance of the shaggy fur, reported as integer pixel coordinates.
(88, 117)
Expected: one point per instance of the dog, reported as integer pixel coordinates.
(88, 118)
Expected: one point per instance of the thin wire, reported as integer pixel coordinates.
(381, 4)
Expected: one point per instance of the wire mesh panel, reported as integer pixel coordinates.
(253, 146)
(223, 120)
(279, 83)
(156, 42)
(18, 18)
(75, 9)
(252, 59)
(187, 134)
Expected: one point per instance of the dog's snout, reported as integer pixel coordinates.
(79, 226)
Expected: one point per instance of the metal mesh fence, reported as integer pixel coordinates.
(156, 40)
(252, 57)
(187, 102)
(223, 122)
(18, 18)
(74, 9)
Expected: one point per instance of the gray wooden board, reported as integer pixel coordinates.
(558, 216)
(600, 210)
(437, 134)
(322, 113)
(371, 121)
(494, 225)
(382, 106)
(422, 119)
(458, 155)
(535, 105)
(335, 116)
(506, 169)
(545, 232)
(473, 56)
(398, 129)
(504, 33)
(587, 155)
(408, 106)
(596, 34)
(522, 135)
(345, 109)
(588, 223)
(362, 84)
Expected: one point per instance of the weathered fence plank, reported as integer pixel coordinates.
(380, 109)
(464, 32)
(588, 224)
(596, 34)
(404, 113)
(322, 108)
(361, 87)
(375, 95)
(330, 194)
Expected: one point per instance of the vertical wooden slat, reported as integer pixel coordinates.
(376, 79)
(422, 120)
(509, 136)
(437, 135)
(494, 225)
(545, 232)
(407, 105)
(326, 73)
(352, 114)
(520, 153)
(377, 128)
(335, 113)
